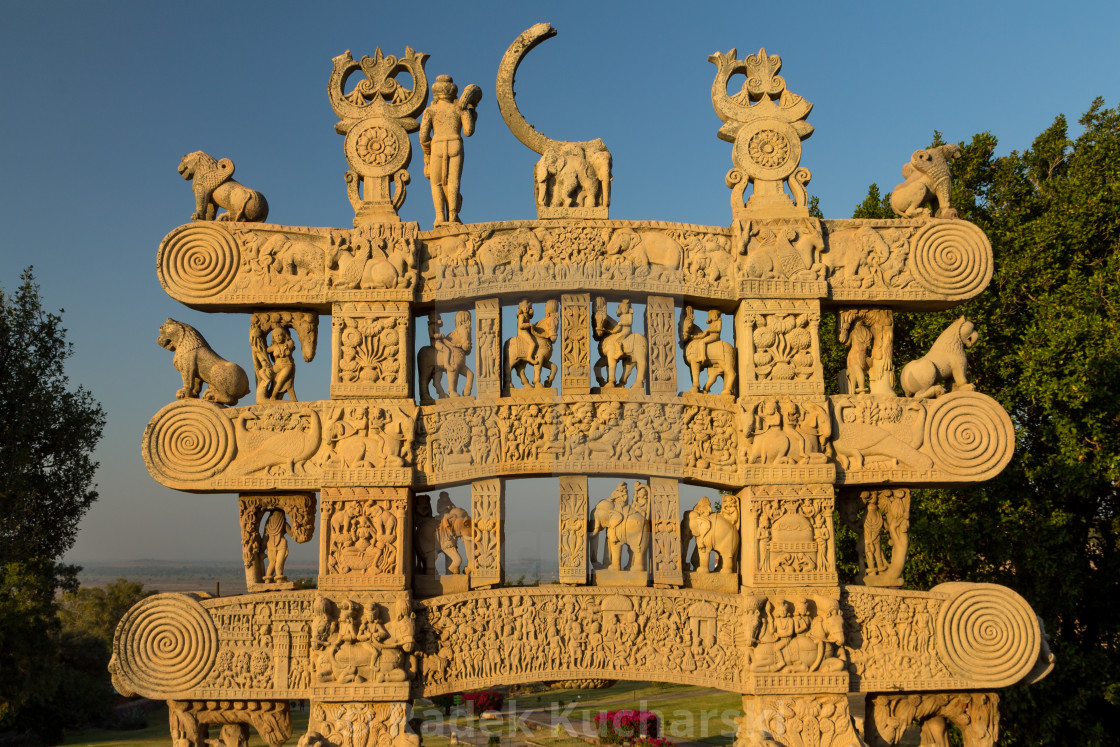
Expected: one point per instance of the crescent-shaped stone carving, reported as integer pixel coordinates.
(507, 104)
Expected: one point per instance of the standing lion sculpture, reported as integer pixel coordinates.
(197, 363)
(945, 360)
(215, 187)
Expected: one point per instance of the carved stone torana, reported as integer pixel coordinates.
(575, 376)
(370, 350)
(376, 115)
(532, 346)
(214, 187)
(264, 548)
(744, 593)
(364, 542)
(198, 364)
(788, 536)
(766, 122)
(928, 185)
(975, 715)
(870, 513)
(273, 361)
(571, 179)
(573, 529)
(488, 353)
(945, 360)
(446, 355)
(442, 128)
(703, 349)
(779, 347)
(867, 372)
(488, 533)
(665, 540)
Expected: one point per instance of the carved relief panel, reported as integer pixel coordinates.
(364, 539)
(799, 721)
(788, 536)
(785, 439)
(488, 356)
(573, 529)
(779, 347)
(666, 528)
(576, 347)
(370, 350)
(488, 509)
(783, 257)
(265, 548)
(660, 332)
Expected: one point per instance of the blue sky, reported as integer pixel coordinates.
(100, 100)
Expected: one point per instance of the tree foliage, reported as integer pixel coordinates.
(47, 436)
(1049, 352)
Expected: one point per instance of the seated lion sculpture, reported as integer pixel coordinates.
(945, 360)
(197, 363)
(214, 187)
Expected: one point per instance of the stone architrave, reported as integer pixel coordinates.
(370, 344)
(788, 536)
(488, 517)
(364, 538)
(665, 508)
(488, 354)
(779, 347)
(266, 523)
(661, 334)
(573, 529)
(575, 312)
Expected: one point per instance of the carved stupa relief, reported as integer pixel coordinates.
(552, 351)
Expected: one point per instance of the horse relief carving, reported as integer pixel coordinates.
(619, 347)
(703, 349)
(532, 346)
(446, 355)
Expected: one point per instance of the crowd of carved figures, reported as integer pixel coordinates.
(745, 594)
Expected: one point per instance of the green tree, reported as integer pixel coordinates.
(47, 435)
(1049, 352)
(96, 610)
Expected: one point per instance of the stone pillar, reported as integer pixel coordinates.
(488, 352)
(665, 511)
(573, 529)
(788, 536)
(797, 720)
(370, 350)
(779, 347)
(488, 521)
(661, 334)
(359, 724)
(575, 330)
(377, 518)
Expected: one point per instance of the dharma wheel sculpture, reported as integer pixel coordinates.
(744, 598)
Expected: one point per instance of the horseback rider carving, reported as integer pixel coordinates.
(532, 346)
(618, 343)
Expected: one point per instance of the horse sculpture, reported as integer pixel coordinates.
(447, 354)
(617, 344)
(625, 524)
(532, 346)
(704, 349)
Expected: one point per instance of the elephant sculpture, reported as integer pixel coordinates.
(625, 524)
(440, 534)
(645, 250)
(714, 531)
(929, 183)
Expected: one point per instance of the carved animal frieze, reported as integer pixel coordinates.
(975, 715)
(960, 437)
(320, 644)
(191, 722)
(214, 187)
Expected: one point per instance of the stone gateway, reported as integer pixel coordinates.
(739, 593)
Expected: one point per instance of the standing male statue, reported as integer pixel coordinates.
(442, 128)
